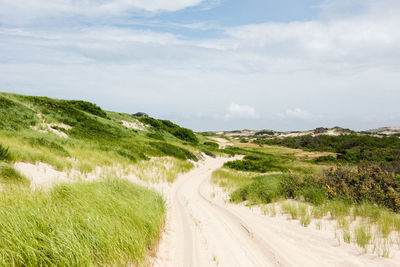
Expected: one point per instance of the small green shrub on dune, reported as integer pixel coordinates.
(263, 189)
(254, 165)
(170, 127)
(212, 145)
(87, 107)
(104, 223)
(174, 151)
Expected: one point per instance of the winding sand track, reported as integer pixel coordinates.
(203, 230)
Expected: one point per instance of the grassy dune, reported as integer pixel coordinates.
(111, 222)
(107, 222)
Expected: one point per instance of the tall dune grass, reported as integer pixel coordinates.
(110, 222)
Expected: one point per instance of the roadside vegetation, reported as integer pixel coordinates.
(110, 222)
(360, 195)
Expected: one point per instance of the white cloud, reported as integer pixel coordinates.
(23, 11)
(236, 111)
(347, 65)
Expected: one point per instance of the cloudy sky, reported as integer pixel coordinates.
(211, 64)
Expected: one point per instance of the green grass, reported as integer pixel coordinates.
(263, 189)
(291, 209)
(231, 179)
(163, 169)
(10, 176)
(362, 235)
(108, 223)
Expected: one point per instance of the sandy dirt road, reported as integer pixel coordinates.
(204, 230)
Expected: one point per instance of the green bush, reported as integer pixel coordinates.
(366, 183)
(174, 151)
(167, 126)
(265, 165)
(88, 107)
(212, 145)
(184, 134)
(263, 189)
(314, 195)
(324, 159)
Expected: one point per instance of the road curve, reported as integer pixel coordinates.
(203, 230)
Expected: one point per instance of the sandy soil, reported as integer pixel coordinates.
(205, 230)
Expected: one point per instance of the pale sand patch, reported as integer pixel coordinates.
(44, 176)
(41, 175)
(44, 127)
(136, 125)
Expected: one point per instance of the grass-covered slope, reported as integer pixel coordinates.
(105, 222)
(77, 134)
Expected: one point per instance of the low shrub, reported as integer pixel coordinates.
(174, 151)
(88, 107)
(165, 125)
(254, 166)
(263, 189)
(184, 134)
(212, 145)
(324, 159)
(366, 183)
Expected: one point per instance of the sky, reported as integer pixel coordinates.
(211, 64)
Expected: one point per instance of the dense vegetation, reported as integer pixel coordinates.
(165, 125)
(350, 148)
(107, 223)
(366, 183)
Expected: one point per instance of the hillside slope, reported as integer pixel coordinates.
(61, 164)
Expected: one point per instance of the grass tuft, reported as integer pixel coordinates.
(110, 222)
